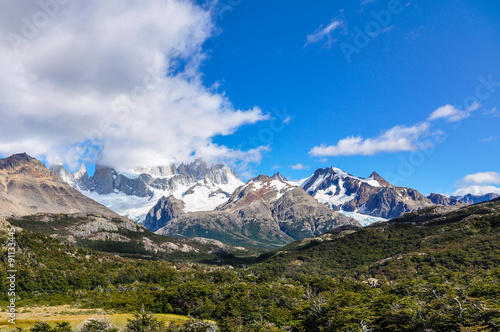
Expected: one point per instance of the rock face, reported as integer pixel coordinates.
(474, 199)
(372, 196)
(265, 212)
(279, 176)
(28, 187)
(134, 192)
(166, 209)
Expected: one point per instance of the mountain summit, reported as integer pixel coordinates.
(28, 187)
(358, 196)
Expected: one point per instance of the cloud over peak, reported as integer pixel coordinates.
(479, 184)
(117, 79)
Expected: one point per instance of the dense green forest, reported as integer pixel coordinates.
(422, 272)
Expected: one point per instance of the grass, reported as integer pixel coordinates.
(76, 317)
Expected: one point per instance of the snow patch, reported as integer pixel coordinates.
(363, 219)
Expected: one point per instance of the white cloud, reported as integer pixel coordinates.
(299, 166)
(478, 184)
(452, 114)
(481, 178)
(325, 33)
(118, 79)
(477, 190)
(399, 138)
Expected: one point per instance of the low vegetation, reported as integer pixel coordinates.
(416, 273)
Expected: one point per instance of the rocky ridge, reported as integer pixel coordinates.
(133, 192)
(263, 212)
(372, 196)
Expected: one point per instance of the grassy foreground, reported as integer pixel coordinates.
(76, 317)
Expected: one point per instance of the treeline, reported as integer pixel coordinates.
(440, 276)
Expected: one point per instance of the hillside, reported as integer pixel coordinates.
(28, 187)
(432, 270)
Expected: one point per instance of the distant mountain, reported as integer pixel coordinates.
(439, 199)
(37, 199)
(474, 199)
(372, 196)
(27, 187)
(133, 193)
(265, 212)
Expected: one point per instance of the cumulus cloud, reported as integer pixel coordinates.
(478, 184)
(452, 114)
(481, 178)
(299, 166)
(477, 190)
(325, 32)
(398, 138)
(118, 80)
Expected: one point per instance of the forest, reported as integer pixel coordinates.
(420, 272)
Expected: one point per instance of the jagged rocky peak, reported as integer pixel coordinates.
(279, 176)
(375, 176)
(474, 199)
(166, 209)
(262, 187)
(157, 171)
(200, 186)
(334, 181)
(68, 176)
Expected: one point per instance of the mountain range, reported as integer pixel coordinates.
(197, 200)
(264, 212)
(134, 192)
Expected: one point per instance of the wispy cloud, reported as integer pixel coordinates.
(397, 139)
(325, 32)
(366, 2)
(478, 184)
(492, 112)
(453, 114)
(487, 139)
(299, 166)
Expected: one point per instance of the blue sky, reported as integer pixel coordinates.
(431, 55)
(408, 89)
